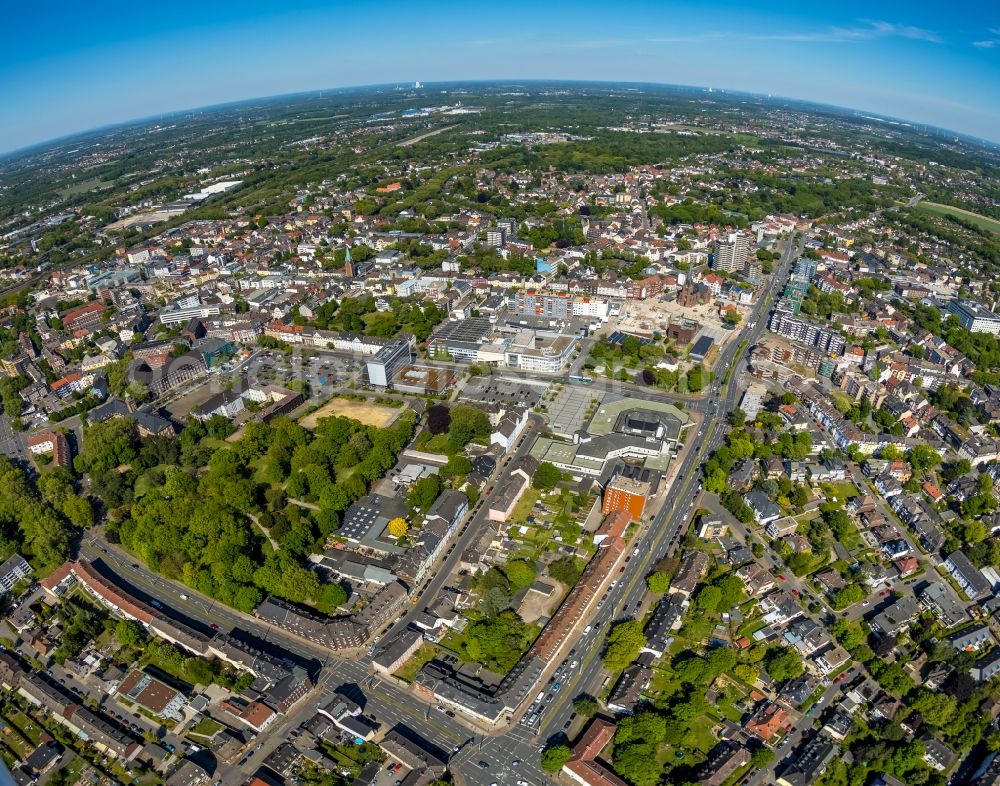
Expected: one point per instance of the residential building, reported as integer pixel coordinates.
(584, 767)
(627, 692)
(767, 722)
(393, 654)
(693, 567)
(972, 639)
(723, 760)
(731, 252)
(942, 601)
(808, 762)
(50, 442)
(893, 619)
(968, 576)
(937, 755)
(152, 695)
(764, 511)
(13, 569)
(626, 494)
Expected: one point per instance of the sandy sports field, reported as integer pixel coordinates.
(368, 413)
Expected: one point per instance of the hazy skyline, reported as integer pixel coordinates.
(78, 69)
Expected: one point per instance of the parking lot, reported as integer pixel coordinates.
(508, 392)
(567, 414)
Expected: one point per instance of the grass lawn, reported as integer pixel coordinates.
(167, 667)
(82, 187)
(433, 443)
(737, 776)
(842, 491)
(700, 736)
(524, 505)
(664, 682)
(206, 727)
(215, 444)
(353, 757)
(750, 627)
(74, 769)
(28, 728)
(16, 745)
(408, 671)
(728, 710)
(984, 222)
(9, 757)
(453, 643)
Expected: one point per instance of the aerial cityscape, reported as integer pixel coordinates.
(502, 433)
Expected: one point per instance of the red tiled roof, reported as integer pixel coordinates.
(69, 378)
(76, 313)
(257, 713)
(57, 576)
(584, 765)
(766, 724)
(615, 524)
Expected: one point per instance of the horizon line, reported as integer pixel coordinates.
(6, 156)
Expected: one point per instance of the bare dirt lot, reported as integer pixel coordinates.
(645, 316)
(366, 412)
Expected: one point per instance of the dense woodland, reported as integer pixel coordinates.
(236, 520)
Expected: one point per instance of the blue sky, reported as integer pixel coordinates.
(68, 67)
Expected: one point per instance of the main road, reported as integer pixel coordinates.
(662, 538)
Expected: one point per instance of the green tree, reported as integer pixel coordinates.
(566, 569)
(783, 663)
(658, 582)
(761, 757)
(625, 641)
(935, 707)
(423, 493)
(546, 476)
(891, 676)
(130, 633)
(848, 596)
(923, 458)
(108, 445)
(555, 757)
(520, 573)
(458, 465)
(707, 600)
(695, 379)
(467, 423)
(638, 763)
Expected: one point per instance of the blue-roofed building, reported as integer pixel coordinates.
(544, 265)
(619, 336)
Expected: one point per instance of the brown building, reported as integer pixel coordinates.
(694, 295)
(585, 767)
(626, 494)
(576, 603)
(683, 332)
(84, 316)
(152, 695)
